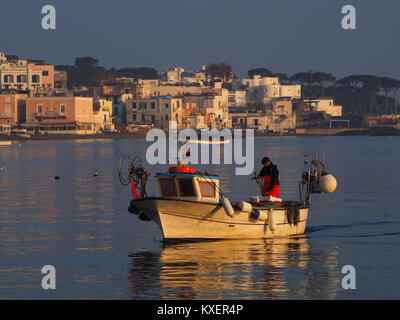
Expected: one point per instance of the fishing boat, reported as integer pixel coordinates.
(191, 204)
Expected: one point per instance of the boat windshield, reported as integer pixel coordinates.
(167, 187)
(207, 189)
(186, 187)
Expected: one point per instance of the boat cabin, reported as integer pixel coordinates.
(183, 186)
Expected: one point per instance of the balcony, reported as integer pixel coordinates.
(49, 115)
(6, 116)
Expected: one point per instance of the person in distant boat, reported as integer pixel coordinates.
(270, 173)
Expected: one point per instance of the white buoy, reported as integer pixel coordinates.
(227, 206)
(327, 183)
(271, 220)
(261, 215)
(245, 206)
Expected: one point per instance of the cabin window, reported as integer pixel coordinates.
(167, 187)
(207, 189)
(186, 188)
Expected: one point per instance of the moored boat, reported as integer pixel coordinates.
(210, 141)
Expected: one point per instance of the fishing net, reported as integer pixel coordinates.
(293, 213)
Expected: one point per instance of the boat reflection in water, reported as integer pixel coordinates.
(235, 269)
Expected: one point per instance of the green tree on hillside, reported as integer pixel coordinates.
(263, 72)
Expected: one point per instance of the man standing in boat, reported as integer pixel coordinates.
(270, 173)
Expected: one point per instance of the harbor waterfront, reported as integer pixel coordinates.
(79, 223)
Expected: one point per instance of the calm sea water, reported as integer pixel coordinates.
(80, 225)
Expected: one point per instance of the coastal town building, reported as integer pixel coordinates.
(173, 74)
(47, 75)
(263, 89)
(25, 76)
(19, 77)
(149, 90)
(12, 108)
(206, 108)
(102, 103)
(325, 104)
(157, 110)
(237, 98)
(60, 115)
(214, 107)
(102, 115)
(307, 116)
(177, 75)
(277, 116)
(382, 120)
(119, 107)
(194, 121)
(250, 120)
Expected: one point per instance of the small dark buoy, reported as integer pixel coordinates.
(57, 178)
(133, 209)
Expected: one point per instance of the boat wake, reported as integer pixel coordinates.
(314, 229)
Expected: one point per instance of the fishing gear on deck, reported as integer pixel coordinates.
(132, 172)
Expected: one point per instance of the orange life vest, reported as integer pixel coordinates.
(181, 170)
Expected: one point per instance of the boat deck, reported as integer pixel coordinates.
(275, 204)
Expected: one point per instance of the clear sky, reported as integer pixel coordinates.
(282, 35)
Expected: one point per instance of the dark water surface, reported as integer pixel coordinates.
(80, 224)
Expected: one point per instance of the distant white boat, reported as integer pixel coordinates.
(23, 135)
(208, 141)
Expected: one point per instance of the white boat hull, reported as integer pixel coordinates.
(208, 141)
(180, 219)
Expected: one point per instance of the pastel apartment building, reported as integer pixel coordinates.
(61, 115)
(47, 74)
(12, 108)
(156, 110)
(24, 75)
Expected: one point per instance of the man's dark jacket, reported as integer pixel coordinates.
(273, 172)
